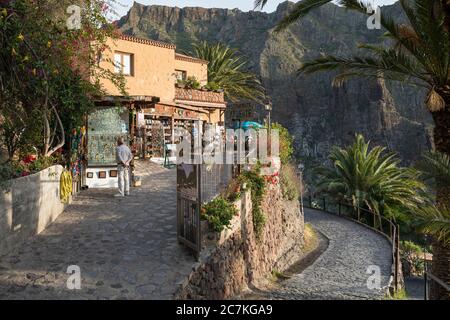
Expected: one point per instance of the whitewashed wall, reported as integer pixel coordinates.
(31, 204)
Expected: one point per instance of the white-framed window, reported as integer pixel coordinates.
(180, 75)
(123, 63)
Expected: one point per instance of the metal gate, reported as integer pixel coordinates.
(197, 184)
(188, 206)
(434, 287)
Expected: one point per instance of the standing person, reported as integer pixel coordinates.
(123, 157)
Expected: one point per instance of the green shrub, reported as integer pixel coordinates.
(41, 163)
(213, 86)
(286, 143)
(399, 295)
(17, 169)
(219, 212)
(190, 83)
(259, 221)
(291, 185)
(256, 183)
(232, 191)
(412, 258)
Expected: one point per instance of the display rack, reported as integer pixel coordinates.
(185, 124)
(158, 132)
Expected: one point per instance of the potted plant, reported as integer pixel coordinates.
(181, 84)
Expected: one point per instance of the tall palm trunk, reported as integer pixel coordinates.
(441, 269)
(442, 128)
(446, 6)
(441, 252)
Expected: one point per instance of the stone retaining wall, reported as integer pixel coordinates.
(31, 204)
(238, 259)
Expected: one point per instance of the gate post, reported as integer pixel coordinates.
(199, 208)
(189, 206)
(397, 256)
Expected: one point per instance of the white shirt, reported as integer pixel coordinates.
(123, 155)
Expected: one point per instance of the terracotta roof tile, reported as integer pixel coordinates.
(147, 41)
(179, 56)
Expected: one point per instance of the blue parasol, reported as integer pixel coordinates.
(249, 125)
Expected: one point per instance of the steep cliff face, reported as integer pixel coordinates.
(317, 114)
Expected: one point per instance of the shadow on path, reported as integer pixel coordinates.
(340, 272)
(126, 248)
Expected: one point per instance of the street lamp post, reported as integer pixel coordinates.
(268, 107)
(301, 168)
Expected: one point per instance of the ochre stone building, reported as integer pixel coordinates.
(160, 100)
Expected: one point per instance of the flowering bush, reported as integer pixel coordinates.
(30, 164)
(273, 179)
(49, 73)
(219, 213)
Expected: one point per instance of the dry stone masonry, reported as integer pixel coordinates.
(238, 259)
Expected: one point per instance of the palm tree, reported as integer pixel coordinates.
(226, 71)
(435, 219)
(418, 53)
(369, 179)
(436, 166)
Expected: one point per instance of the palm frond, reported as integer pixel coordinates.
(301, 9)
(390, 65)
(368, 177)
(436, 165)
(420, 48)
(435, 37)
(434, 221)
(260, 4)
(227, 70)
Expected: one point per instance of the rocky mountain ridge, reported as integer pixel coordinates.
(316, 113)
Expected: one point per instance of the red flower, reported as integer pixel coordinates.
(30, 158)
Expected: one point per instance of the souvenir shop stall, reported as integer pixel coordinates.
(104, 126)
(158, 127)
(113, 117)
(147, 125)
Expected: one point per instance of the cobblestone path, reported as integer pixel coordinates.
(340, 272)
(415, 288)
(126, 248)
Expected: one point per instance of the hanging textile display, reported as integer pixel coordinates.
(157, 139)
(77, 160)
(77, 151)
(105, 125)
(65, 186)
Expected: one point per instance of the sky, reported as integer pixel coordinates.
(244, 5)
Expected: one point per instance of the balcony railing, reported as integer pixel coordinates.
(199, 95)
